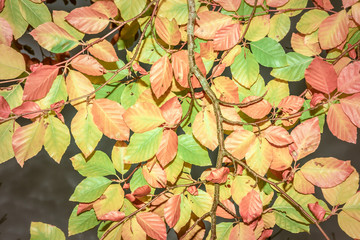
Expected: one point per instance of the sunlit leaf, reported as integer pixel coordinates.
(78, 85)
(161, 76)
(242, 232)
(295, 70)
(302, 185)
(168, 30)
(279, 26)
(259, 156)
(278, 136)
(245, 69)
(311, 20)
(192, 152)
(43, 231)
(255, 32)
(172, 210)
(112, 200)
(250, 207)
(98, 164)
(351, 106)
(87, 20)
(177, 9)
(13, 16)
(105, 7)
(6, 134)
(90, 189)
(229, 5)
(103, 50)
(129, 9)
(239, 142)
(201, 203)
(6, 33)
(349, 225)
(168, 147)
(87, 64)
(204, 128)
(59, 19)
(227, 37)
(152, 224)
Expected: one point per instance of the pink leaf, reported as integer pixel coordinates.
(142, 191)
(316, 99)
(88, 65)
(265, 234)
(6, 32)
(4, 108)
(252, 2)
(325, 4)
(250, 207)
(172, 210)
(291, 104)
(139, 69)
(242, 232)
(348, 3)
(114, 216)
(340, 125)
(318, 211)
(257, 110)
(152, 225)
(107, 8)
(227, 37)
(193, 190)
(168, 147)
(278, 136)
(38, 83)
(87, 20)
(218, 175)
(27, 108)
(349, 79)
(161, 76)
(351, 106)
(321, 76)
(218, 70)
(172, 111)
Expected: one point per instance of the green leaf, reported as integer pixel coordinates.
(90, 189)
(143, 146)
(57, 93)
(295, 71)
(98, 164)
(131, 93)
(223, 230)
(82, 222)
(290, 225)
(201, 203)
(138, 180)
(11, 13)
(12, 63)
(130, 9)
(192, 152)
(115, 66)
(43, 231)
(150, 51)
(57, 138)
(111, 91)
(6, 133)
(34, 13)
(245, 69)
(13, 95)
(269, 53)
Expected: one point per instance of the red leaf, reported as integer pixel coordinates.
(349, 79)
(218, 175)
(2, 4)
(250, 207)
(257, 110)
(278, 136)
(38, 83)
(88, 65)
(4, 108)
(325, 4)
(172, 111)
(317, 210)
(321, 76)
(193, 190)
(220, 212)
(168, 147)
(351, 106)
(161, 76)
(291, 104)
(229, 5)
(152, 225)
(227, 37)
(28, 107)
(316, 99)
(130, 197)
(340, 125)
(114, 216)
(87, 20)
(352, 53)
(276, 3)
(172, 210)
(139, 69)
(306, 137)
(83, 207)
(265, 234)
(142, 191)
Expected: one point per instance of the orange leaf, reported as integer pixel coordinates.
(321, 76)
(227, 37)
(351, 107)
(172, 210)
(226, 89)
(218, 175)
(39, 82)
(355, 10)
(88, 65)
(28, 107)
(161, 76)
(142, 191)
(6, 32)
(250, 207)
(4, 108)
(229, 5)
(291, 104)
(152, 225)
(242, 232)
(107, 8)
(281, 158)
(103, 50)
(257, 110)
(230, 112)
(239, 142)
(208, 22)
(340, 124)
(349, 79)
(299, 45)
(220, 212)
(325, 4)
(318, 211)
(168, 30)
(87, 20)
(107, 116)
(333, 30)
(114, 216)
(333, 171)
(155, 176)
(218, 70)
(204, 128)
(252, 2)
(168, 147)
(276, 3)
(278, 136)
(172, 111)
(306, 137)
(143, 117)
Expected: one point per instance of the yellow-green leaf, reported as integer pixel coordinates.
(6, 134)
(279, 26)
(43, 231)
(35, 14)
(201, 203)
(276, 90)
(118, 155)
(112, 201)
(12, 14)
(311, 20)
(90, 189)
(177, 9)
(12, 63)
(130, 9)
(82, 222)
(349, 225)
(255, 32)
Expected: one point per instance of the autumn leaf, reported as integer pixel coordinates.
(4, 108)
(229, 5)
(172, 210)
(171, 111)
(103, 50)
(142, 191)
(168, 30)
(87, 20)
(204, 128)
(114, 216)
(209, 22)
(318, 211)
(239, 142)
(351, 107)
(349, 79)
(218, 175)
(227, 37)
(250, 207)
(221, 212)
(152, 225)
(278, 136)
(161, 76)
(168, 147)
(321, 76)
(88, 65)
(107, 8)
(256, 110)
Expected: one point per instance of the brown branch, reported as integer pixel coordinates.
(244, 104)
(194, 225)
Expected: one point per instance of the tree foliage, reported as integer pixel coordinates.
(190, 84)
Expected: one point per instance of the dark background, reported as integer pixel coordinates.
(40, 191)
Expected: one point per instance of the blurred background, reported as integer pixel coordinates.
(40, 191)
